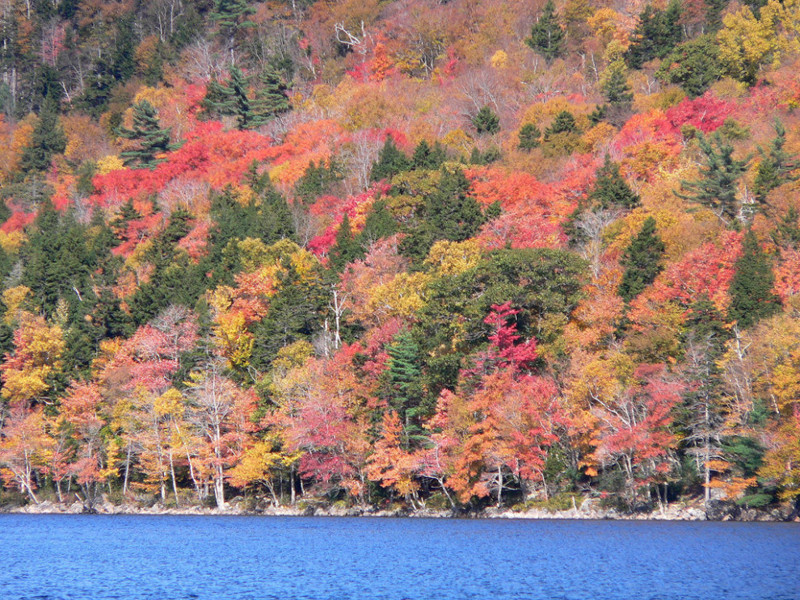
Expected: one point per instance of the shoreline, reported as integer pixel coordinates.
(674, 512)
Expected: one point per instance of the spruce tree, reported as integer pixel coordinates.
(751, 289)
(233, 99)
(564, 122)
(451, 212)
(391, 161)
(404, 391)
(610, 188)
(151, 137)
(642, 261)
(231, 16)
(547, 35)
(656, 34)
(776, 166)
(615, 84)
(717, 186)
(271, 97)
(486, 121)
(346, 249)
(529, 137)
(47, 139)
(378, 224)
(428, 158)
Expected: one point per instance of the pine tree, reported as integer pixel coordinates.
(404, 391)
(642, 261)
(378, 224)
(391, 161)
(751, 293)
(656, 34)
(451, 212)
(486, 121)
(231, 16)
(547, 35)
(776, 166)
(610, 188)
(271, 98)
(152, 139)
(717, 186)
(233, 99)
(346, 249)
(529, 137)
(47, 139)
(428, 158)
(564, 122)
(615, 83)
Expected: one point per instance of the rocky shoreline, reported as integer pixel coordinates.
(587, 511)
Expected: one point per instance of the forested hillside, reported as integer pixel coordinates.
(413, 252)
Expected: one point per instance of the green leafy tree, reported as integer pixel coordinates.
(717, 186)
(642, 260)
(234, 99)
(564, 122)
(153, 140)
(751, 293)
(547, 35)
(610, 188)
(615, 83)
(378, 224)
(346, 249)
(271, 95)
(403, 387)
(232, 16)
(694, 65)
(486, 121)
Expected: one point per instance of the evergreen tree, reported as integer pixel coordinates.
(233, 99)
(428, 158)
(232, 16)
(751, 293)
(318, 180)
(346, 249)
(610, 188)
(486, 121)
(717, 185)
(547, 35)
(152, 139)
(391, 161)
(642, 261)
(123, 62)
(271, 97)
(615, 84)
(451, 212)
(404, 391)
(694, 65)
(564, 122)
(47, 139)
(529, 137)
(378, 224)
(656, 34)
(776, 166)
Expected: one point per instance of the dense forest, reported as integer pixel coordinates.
(418, 253)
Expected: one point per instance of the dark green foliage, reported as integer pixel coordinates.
(491, 155)
(295, 313)
(47, 139)
(403, 389)
(615, 86)
(318, 180)
(545, 285)
(642, 261)
(428, 158)
(529, 137)
(751, 293)
(776, 167)
(610, 188)
(346, 249)
(123, 61)
(231, 16)
(564, 122)
(656, 34)
(744, 452)
(391, 161)
(787, 232)
(235, 99)
(152, 139)
(694, 65)
(717, 186)
(486, 121)
(378, 224)
(547, 35)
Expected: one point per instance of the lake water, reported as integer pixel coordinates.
(60, 557)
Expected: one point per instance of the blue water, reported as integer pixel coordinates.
(60, 557)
